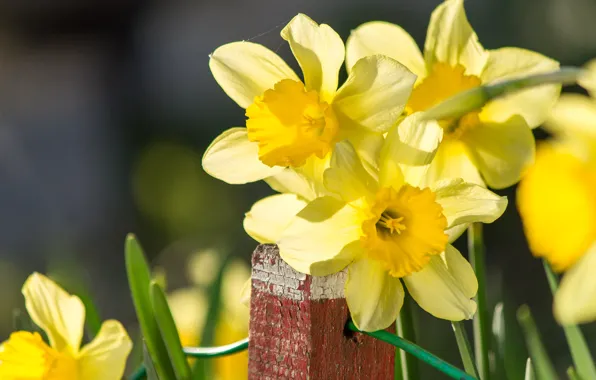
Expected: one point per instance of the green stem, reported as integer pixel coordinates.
(481, 320)
(475, 98)
(543, 367)
(405, 329)
(580, 353)
(416, 351)
(465, 351)
(398, 369)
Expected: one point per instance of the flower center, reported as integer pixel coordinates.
(406, 227)
(557, 202)
(443, 82)
(26, 356)
(291, 124)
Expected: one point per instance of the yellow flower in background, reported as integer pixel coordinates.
(25, 355)
(557, 202)
(492, 145)
(293, 125)
(385, 230)
(190, 305)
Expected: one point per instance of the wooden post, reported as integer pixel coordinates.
(297, 327)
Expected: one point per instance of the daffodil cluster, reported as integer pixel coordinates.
(557, 202)
(367, 183)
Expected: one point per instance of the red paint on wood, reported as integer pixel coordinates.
(295, 333)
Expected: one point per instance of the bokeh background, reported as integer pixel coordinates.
(106, 108)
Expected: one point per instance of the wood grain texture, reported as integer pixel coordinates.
(297, 327)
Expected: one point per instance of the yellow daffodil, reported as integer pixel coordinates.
(292, 124)
(386, 228)
(189, 308)
(25, 355)
(492, 145)
(557, 203)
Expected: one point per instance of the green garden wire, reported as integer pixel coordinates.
(411, 348)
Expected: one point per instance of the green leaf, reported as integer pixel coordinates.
(572, 375)
(529, 371)
(582, 358)
(139, 279)
(542, 365)
(169, 333)
(148, 371)
(465, 350)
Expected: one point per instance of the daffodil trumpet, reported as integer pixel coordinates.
(474, 99)
(384, 228)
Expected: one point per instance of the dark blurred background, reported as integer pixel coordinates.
(106, 108)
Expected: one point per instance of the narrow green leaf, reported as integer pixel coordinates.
(481, 318)
(465, 350)
(405, 328)
(169, 333)
(397, 370)
(148, 371)
(499, 342)
(580, 352)
(139, 279)
(542, 365)
(529, 370)
(572, 375)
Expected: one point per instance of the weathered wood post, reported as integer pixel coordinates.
(297, 327)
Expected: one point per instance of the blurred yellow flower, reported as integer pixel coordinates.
(189, 308)
(557, 203)
(25, 355)
(384, 230)
(492, 145)
(292, 124)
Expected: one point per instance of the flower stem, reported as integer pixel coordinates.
(481, 320)
(405, 329)
(465, 351)
(543, 367)
(580, 353)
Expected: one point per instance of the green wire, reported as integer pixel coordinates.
(416, 351)
(201, 352)
(411, 348)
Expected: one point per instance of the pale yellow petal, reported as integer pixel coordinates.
(368, 147)
(379, 37)
(323, 238)
(374, 94)
(245, 293)
(235, 160)
(290, 181)
(464, 203)
(105, 357)
(268, 217)
(444, 287)
(245, 70)
(373, 296)
(450, 39)
(452, 160)
(533, 104)
(501, 151)
(320, 52)
(189, 307)
(346, 176)
(588, 79)
(574, 116)
(59, 314)
(575, 301)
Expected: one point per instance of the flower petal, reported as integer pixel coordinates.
(320, 52)
(235, 160)
(323, 238)
(575, 301)
(574, 116)
(268, 217)
(105, 357)
(452, 160)
(444, 287)
(374, 94)
(501, 151)
(450, 39)
(368, 146)
(290, 181)
(346, 176)
(59, 314)
(533, 104)
(373, 296)
(378, 37)
(465, 203)
(245, 70)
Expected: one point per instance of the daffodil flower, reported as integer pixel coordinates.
(25, 355)
(492, 145)
(557, 202)
(385, 228)
(293, 125)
